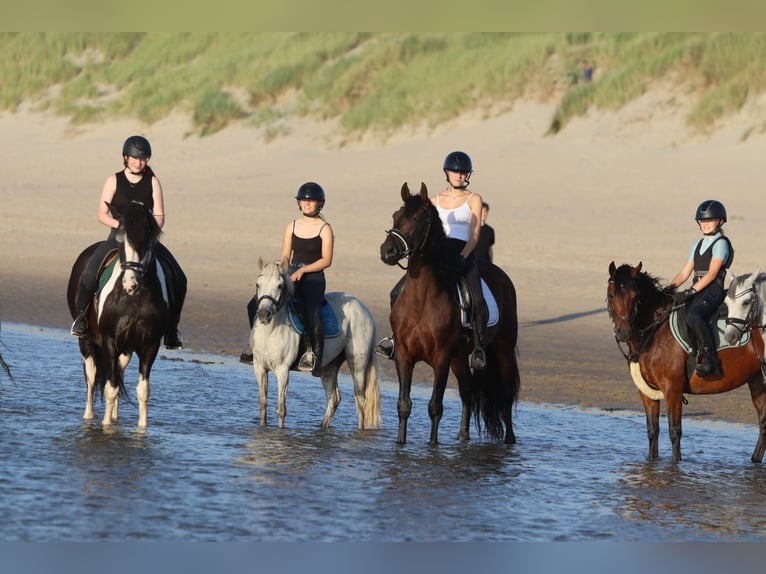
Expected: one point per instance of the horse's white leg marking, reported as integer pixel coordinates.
(111, 392)
(142, 392)
(123, 361)
(283, 378)
(90, 381)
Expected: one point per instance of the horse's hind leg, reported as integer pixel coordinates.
(142, 389)
(436, 404)
(652, 409)
(758, 394)
(463, 376)
(331, 391)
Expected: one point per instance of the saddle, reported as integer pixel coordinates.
(464, 299)
(716, 325)
(331, 325)
(106, 268)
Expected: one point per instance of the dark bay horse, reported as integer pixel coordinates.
(427, 326)
(639, 310)
(128, 315)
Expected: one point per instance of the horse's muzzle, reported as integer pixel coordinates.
(389, 254)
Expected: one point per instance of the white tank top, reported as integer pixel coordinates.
(456, 222)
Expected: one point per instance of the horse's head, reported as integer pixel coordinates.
(744, 305)
(138, 235)
(273, 288)
(624, 295)
(415, 228)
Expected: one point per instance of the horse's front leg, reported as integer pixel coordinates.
(142, 389)
(404, 403)
(674, 408)
(463, 375)
(331, 391)
(262, 377)
(652, 410)
(90, 381)
(283, 378)
(124, 361)
(436, 404)
(758, 394)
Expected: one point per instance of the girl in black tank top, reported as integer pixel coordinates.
(308, 244)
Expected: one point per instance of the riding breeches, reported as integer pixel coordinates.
(704, 305)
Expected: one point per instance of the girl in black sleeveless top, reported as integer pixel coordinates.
(136, 182)
(308, 244)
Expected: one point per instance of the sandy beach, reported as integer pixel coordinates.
(613, 186)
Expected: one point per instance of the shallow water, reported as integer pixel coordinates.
(205, 471)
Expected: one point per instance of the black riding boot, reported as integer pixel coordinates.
(172, 339)
(708, 363)
(385, 347)
(479, 318)
(317, 343)
(80, 324)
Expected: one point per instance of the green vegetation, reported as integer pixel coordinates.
(369, 82)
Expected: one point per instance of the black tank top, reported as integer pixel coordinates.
(306, 250)
(127, 192)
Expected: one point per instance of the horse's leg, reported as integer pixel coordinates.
(404, 403)
(262, 376)
(463, 376)
(674, 408)
(652, 410)
(124, 361)
(142, 389)
(112, 385)
(90, 368)
(331, 391)
(283, 378)
(758, 394)
(436, 404)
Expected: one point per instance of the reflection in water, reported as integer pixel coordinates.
(205, 470)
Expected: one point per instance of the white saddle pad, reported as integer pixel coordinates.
(494, 312)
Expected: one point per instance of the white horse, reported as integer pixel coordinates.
(275, 344)
(744, 301)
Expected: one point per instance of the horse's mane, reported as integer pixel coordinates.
(432, 252)
(139, 225)
(652, 296)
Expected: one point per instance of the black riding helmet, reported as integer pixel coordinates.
(460, 162)
(137, 146)
(710, 209)
(311, 190)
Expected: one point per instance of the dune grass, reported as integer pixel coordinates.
(378, 82)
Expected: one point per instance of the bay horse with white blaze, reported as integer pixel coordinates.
(128, 315)
(639, 310)
(427, 326)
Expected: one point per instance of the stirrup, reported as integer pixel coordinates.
(306, 364)
(478, 359)
(79, 326)
(385, 348)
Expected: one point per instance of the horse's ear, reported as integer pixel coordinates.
(612, 269)
(283, 264)
(260, 263)
(423, 191)
(405, 192)
(638, 267)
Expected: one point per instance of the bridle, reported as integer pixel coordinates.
(407, 246)
(644, 335)
(277, 302)
(741, 325)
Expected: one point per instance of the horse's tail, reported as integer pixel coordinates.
(494, 396)
(371, 395)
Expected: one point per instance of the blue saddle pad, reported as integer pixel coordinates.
(329, 319)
